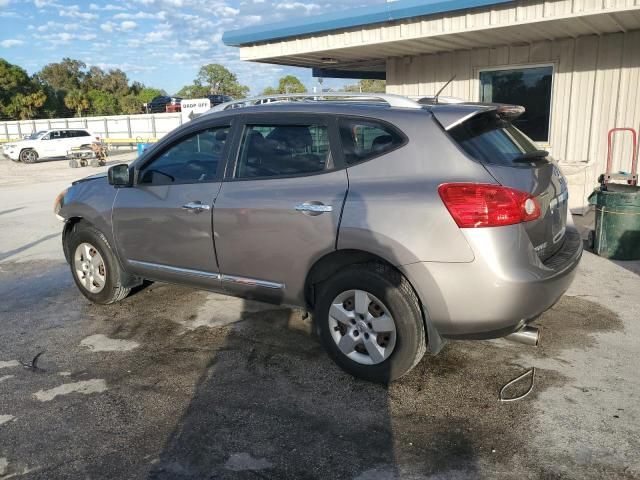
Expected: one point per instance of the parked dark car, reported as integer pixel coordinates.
(218, 99)
(163, 103)
(399, 225)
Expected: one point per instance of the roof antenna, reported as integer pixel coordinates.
(435, 99)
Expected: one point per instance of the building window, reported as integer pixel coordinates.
(526, 86)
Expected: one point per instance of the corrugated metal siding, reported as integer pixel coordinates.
(595, 88)
(518, 21)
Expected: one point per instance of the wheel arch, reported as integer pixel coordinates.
(128, 280)
(332, 262)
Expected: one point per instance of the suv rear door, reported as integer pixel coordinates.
(279, 207)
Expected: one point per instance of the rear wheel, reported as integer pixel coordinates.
(94, 268)
(370, 322)
(29, 156)
(73, 163)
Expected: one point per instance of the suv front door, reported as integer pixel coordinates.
(279, 207)
(163, 224)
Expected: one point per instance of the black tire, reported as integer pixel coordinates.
(28, 155)
(73, 163)
(395, 292)
(113, 291)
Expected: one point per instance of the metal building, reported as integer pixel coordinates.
(574, 64)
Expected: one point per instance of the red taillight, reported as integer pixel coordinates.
(475, 205)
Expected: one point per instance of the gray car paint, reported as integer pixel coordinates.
(472, 283)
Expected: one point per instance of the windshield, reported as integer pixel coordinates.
(35, 135)
(490, 139)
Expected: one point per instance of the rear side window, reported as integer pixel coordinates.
(81, 133)
(364, 139)
(283, 150)
(490, 139)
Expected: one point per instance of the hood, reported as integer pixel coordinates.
(90, 177)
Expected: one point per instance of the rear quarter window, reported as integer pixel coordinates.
(366, 139)
(490, 139)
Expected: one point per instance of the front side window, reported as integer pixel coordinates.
(193, 159)
(529, 87)
(363, 140)
(283, 150)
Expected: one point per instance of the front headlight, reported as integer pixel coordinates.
(59, 202)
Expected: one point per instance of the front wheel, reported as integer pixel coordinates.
(95, 270)
(370, 322)
(29, 156)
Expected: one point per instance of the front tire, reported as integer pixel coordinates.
(29, 155)
(370, 322)
(94, 267)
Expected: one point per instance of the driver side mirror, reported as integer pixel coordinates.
(120, 176)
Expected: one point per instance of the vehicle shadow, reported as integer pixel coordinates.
(26, 246)
(271, 404)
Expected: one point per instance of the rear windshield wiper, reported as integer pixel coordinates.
(531, 156)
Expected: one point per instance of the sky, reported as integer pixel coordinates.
(161, 43)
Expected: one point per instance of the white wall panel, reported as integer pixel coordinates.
(595, 88)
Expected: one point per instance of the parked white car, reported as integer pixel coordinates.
(47, 144)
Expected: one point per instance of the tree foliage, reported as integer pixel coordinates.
(367, 86)
(287, 84)
(20, 96)
(214, 79)
(78, 101)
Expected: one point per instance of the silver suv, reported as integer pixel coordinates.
(399, 224)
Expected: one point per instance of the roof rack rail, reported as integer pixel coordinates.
(391, 100)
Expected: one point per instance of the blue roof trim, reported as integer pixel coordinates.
(356, 17)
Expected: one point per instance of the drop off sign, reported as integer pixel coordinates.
(194, 108)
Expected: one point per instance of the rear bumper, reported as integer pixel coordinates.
(503, 289)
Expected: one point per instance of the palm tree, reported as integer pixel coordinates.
(78, 101)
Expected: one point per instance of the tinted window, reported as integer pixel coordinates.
(81, 133)
(193, 159)
(362, 140)
(529, 87)
(490, 139)
(283, 150)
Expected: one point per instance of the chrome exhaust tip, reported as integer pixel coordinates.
(527, 335)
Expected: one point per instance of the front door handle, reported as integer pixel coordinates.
(196, 207)
(313, 208)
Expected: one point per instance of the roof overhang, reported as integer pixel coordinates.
(366, 47)
(357, 17)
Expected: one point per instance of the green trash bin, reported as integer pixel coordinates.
(617, 234)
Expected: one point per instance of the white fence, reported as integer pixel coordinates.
(143, 127)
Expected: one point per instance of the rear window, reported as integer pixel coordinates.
(364, 139)
(490, 139)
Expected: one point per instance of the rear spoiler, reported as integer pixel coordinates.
(452, 115)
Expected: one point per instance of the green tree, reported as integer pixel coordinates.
(130, 104)
(291, 84)
(67, 75)
(13, 81)
(77, 101)
(147, 94)
(26, 106)
(220, 80)
(367, 86)
(270, 91)
(103, 103)
(193, 91)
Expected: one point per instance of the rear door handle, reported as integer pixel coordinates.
(196, 207)
(313, 208)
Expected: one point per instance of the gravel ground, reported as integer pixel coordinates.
(175, 383)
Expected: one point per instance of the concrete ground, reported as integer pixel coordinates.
(175, 383)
